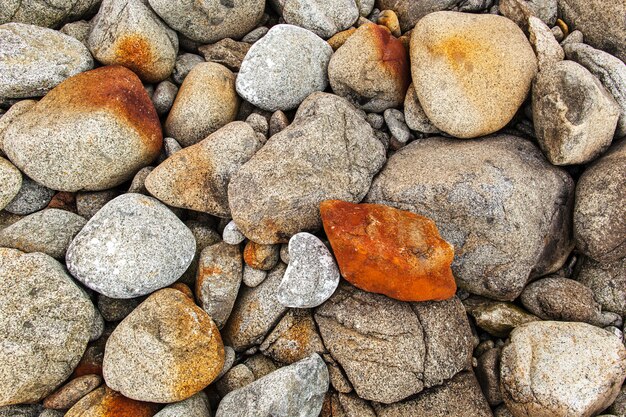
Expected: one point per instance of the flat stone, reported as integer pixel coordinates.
(104, 402)
(205, 102)
(539, 377)
(322, 17)
(607, 280)
(33, 60)
(197, 177)
(284, 67)
(176, 342)
(133, 246)
(51, 15)
(226, 52)
(333, 155)
(45, 322)
(471, 72)
(31, 198)
(70, 393)
(11, 180)
(263, 257)
(194, 406)
(475, 192)
(92, 132)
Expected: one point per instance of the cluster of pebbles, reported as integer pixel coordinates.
(302, 208)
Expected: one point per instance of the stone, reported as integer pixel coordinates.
(609, 70)
(471, 72)
(205, 102)
(263, 257)
(340, 38)
(229, 359)
(129, 33)
(34, 60)
(104, 402)
(284, 67)
(197, 177)
(561, 369)
(619, 406)
(459, 397)
(397, 127)
(259, 123)
(70, 393)
(403, 348)
(252, 277)
(78, 30)
(194, 406)
(171, 146)
(323, 17)
(278, 121)
(12, 114)
(606, 280)
(232, 235)
(49, 231)
(89, 203)
(211, 20)
(45, 323)
(44, 14)
(184, 64)
(547, 48)
(371, 69)
(476, 193)
(176, 342)
(599, 212)
(261, 365)
(520, 11)
(31, 198)
(138, 184)
(237, 377)
(600, 21)
(574, 116)
(226, 52)
(296, 390)
(333, 155)
(25, 410)
(92, 132)
(11, 180)
(312, 275)
(414, 114)
(163, 100)
(348, 405)
(133, 246)
(496, 317)
(389, 19)
(256, 312)
(410, 11)
(488, 375)
(116, 309)
(388, 251)
(218, 280)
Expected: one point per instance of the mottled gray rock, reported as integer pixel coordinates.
(205, 102)
(333, 155)
(256, 312)
(349, 405)
(477, 192)
(488, 375)
(133, 246)
(312, 275)
(11, 180)
(606, 280)
(195, 406)
(116, 309)
(138, 184)
(88, 204)
(45, 323)
(46, 14)
(600, 212)
(410, 11)
(69, 394)
(520, 11)
(283, 68)
(129, 33)
(610, 71)
(78, 30)
(414, 114)
(540, 379)
(33, 60)
(296, 390)
(394, 119)
(619, 406)
(278, 122)
(574, 116)
(237, 377)
(575, 36)
(546, 47)
(255, 34)
(259, 123)
(252, 277)
(323, 17)
(232, 235)
(184, 64)
(211, 20)
(26, 410)
(52, 413)
(171, 146)
(31, 197)
(403, 347)
(229, 359)
(227, 52)
(163, 97)
(12, 114)
(218, 280)
(49, 231)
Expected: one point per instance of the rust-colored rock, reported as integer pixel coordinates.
(258, 256)
(388, 251)
(104, 402)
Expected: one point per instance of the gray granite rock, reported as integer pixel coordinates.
(116, 309)
(410, 11)
(477, 192)
(619, 406)
(607, 280)
(30, 198)
(184, 64)
(33, 60)
(312, 275)
(333, 155)
(296, 390)
(163, 97)
(237, 377)
(547, 48)
(195, 406)
(323, 17)
(229, 360)
(171, 146)
(283, 68)
(138, 184)
(252, 277)
(46, 14)
(394, 119)
(259, 123)
(26, 410)
(488, 375)
(45, 324)
(133, 246)
(52, 413)
(11, 180)
(49, 231)
(232, 235)
(78, 30)
(88, 203)
(520, 11)
(414, 114)
(17, 109)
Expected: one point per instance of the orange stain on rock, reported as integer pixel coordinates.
(388, 251)
(135, 52)
(460, 53)
(393, 54)
(104, 402)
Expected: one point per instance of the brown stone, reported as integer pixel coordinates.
(104, 402)
(389, 19)
(340, 38)
(258, 256)
(70, 393)
(63, 201)
(388, 251)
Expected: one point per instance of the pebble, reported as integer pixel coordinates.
(414, 114)
(229, 359)
(278, 121)
(520, 11)
(104, 402)
(488, 375)
(607, 281)
(397, 127)
(47, 14)
(16, 109)
(258, 256)
(70, 393)
(283, 68)
(195, 406)
(478, 66)
(138, 184)
(11, 180)
(547, 48)
(259, 123)
(171, 146)
(184, 64)
(163, 99)
(33, 60)
(110, 254)
(116, 309)
(575, 36)
(227, 52)
(237, 377)
(89, 203)
(176, 342)
(232, 235)
(496, 317)
(389, 19)
(78, 30)
(323, 17)
(26, 410)
(340, 38)
(31, 198)
(205, 102)
(409, 12)
(252, 277)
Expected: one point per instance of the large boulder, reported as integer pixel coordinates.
(50, 14)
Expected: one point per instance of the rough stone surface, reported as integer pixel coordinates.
(78, 30)
(520, 11)
(296, 390)
(70, 393)
(31, 197)
(45, 323)
(283, 68)
(92, 132)
(205, 102)
(402, 347)
(133, 246)
(11, 180)
(26, 410)
(471, 72)
(496, 317)
(477, 192)
(49, 231)
(163, 100)
(546, 47)
(414, 114)
(607, 281)
(227, 52)
(252, 276)
(555, 369)
(176, 342)
(371, 69)
(333, 155)
(197, 177)
(488, 375)
(104, 402)
(184, 64)
(237, 377)
(13, 113)
(410, 11)
(195, 406)
(46, 14)
(323, 17)
(232, 235)
(33, 60)
(129, 33)
(88, 204)
(259, 256)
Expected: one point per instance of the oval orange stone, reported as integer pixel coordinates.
(388, 251)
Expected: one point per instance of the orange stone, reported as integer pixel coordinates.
(388, 251)
(104, 402)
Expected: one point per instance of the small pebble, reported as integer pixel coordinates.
(398, 128)
(164, 96)
(171, 146)
(232, 235)
(259, 256)
(32, 197)
(258, 123)
(278, 122)
(255, 34)
(237, 377)
(70, 393)
(252, 277)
